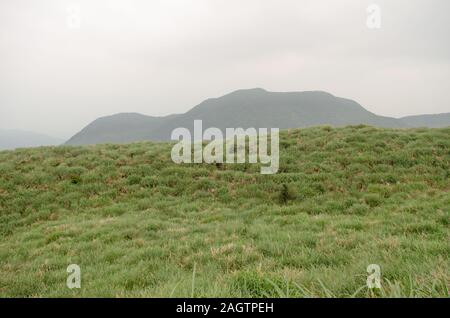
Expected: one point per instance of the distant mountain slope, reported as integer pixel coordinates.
(11, 139)
(243, 108)
(119, 128)
(260, 108)
(432, 121)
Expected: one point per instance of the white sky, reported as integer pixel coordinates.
(165, 56)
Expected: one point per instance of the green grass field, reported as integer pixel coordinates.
(139, 225)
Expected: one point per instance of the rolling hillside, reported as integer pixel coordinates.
(139, 225)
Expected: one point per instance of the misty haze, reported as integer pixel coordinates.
(66, 63)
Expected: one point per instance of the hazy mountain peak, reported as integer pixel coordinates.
(255, 107)
(255, 90)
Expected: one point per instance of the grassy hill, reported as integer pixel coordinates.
(140, 225)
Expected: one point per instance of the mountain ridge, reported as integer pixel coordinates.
(246, 108)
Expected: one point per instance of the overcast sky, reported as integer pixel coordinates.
(159, 57)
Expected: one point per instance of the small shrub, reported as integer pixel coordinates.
(372, 200)
(149, 182)
(75, 179)
(286, 194)
(133, 179)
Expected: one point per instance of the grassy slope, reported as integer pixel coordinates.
(139, 225)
